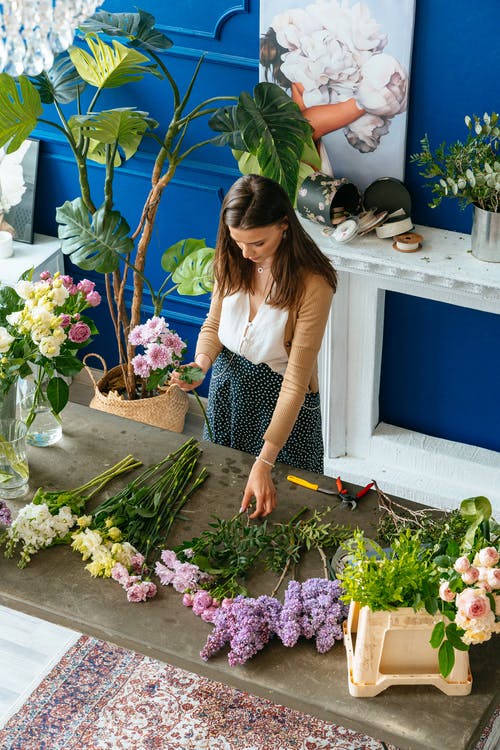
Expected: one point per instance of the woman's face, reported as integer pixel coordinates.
(260, 244)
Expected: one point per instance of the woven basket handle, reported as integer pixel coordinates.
(89, 371)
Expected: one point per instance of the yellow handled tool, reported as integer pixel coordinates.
(310, 485)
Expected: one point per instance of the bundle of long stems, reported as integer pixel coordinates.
(145, 509)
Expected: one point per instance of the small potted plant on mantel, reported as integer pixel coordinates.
(469, 172)
(96, 235)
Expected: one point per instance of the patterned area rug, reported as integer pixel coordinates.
(102, 697)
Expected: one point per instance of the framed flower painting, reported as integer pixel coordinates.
(19, 181)
(346, 64)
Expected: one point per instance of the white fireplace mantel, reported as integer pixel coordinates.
(357, 446)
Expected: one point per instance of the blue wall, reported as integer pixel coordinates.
(454, 72)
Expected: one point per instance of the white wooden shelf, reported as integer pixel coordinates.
(43, 255)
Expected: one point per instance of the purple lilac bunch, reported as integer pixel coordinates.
(313, 609)
(246, 624)
(163, 350)
(138, 588)
(5, 515)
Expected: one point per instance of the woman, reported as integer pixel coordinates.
(271, 299)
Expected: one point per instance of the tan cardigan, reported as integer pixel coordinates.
(303, 335)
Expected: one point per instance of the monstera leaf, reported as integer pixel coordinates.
(107, 67)
(61, 83)
(124, 127)
(137, 27)
(271, 127)
(20, 108)
(190, 264)
(96, 243)
(195, 274)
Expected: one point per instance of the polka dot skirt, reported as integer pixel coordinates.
(241, 400)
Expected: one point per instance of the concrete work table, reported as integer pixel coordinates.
(56, 587)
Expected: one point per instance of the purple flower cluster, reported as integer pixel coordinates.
(183, 576)
(138, 589)
(246, 624)
(312, 609)
(5, 516)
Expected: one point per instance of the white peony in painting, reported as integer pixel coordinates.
(346, 64)
(17, 189)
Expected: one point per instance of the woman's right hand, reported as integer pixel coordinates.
(176, 377)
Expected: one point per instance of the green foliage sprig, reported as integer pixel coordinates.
(229, 549)
(403, 576)
(469, 171)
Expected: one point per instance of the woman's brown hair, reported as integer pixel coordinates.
(252, 202)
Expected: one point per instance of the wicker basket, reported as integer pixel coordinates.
(167, 410)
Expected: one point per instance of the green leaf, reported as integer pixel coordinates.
(225, 121)
(446, 658)
(137, 27)
(176, 254)
(194, 276)
(57, 394)
(20, 108)
(94, 246)
(67, 365)
(453, 634)
(122, 126)
(109, 67)
(61, 83)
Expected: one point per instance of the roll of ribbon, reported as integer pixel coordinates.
(394, 227)
(6, 245)
(407, 243)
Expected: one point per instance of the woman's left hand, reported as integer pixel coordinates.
(261, 486)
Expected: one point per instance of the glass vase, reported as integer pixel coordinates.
(8, 402)
(44, 427)
(14, 472)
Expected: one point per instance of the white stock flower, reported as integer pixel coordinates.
(59, 295)
(49, 346)
(364, 134)
(24, 288)
(5, 340)
(384, 86)
(14, 318)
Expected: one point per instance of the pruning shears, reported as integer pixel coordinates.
(347, 498)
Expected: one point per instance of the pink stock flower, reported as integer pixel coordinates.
(462, 564)
(93, 298)
(165, 575)
(473, 603)
(78, 333)
(141, 366)
(137, 593)
(169, 557)
(488, 557)
(120, 573)
(445, 593)
(470, 576)
(137, 562)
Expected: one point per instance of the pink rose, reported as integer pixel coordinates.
(93, 298)
(470, 576)
(493, 578)
(187, 600)
(488, 557)
(65, 320)
(79, 333)
(445, 593)
(201, 601)
(462, 564)
(473, 603)
(85, 286)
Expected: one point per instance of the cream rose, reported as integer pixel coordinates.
(5, 340)
(473, 603)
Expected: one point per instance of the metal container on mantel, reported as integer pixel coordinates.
(485, 237)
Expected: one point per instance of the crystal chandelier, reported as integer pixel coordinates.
(33, 31)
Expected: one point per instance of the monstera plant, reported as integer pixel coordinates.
(265, 130)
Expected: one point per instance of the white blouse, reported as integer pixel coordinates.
(259, 340)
